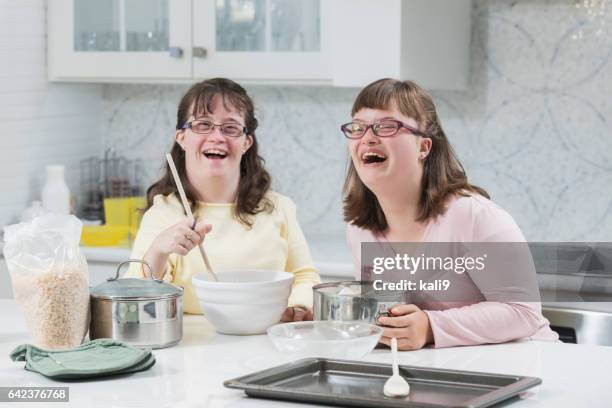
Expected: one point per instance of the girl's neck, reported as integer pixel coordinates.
(217, 190)
(401, 212)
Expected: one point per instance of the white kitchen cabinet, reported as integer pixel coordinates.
(262, 40)
(427, 41)
(98, 41)
(328, 42)
(145, 40)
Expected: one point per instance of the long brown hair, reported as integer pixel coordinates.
(443, 174)
(254, 180)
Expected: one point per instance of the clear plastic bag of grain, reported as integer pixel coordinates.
(50, 279)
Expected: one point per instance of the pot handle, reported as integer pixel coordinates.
(112, 278)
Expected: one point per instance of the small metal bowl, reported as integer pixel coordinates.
(352, 301)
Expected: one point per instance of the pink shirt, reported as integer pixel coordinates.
(471, 219)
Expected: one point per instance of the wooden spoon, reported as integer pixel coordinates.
(181, 191)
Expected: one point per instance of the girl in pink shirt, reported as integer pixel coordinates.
(405, 184)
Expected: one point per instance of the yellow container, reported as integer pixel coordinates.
(104, 235)
(124, 211)
(123, 217)
(117, 211)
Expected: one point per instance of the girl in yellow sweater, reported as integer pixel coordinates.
(245, 223)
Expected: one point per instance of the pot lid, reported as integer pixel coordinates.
(134, 288)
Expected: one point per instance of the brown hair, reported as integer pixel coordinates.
(254, 180)
(443, 174)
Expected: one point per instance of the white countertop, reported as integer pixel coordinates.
(192, 373)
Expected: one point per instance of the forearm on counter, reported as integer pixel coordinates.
(484, 322)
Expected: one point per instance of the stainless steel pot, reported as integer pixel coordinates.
(352, 300)
(140, 312)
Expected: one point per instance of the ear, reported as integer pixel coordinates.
(425, 144)
(179, 136)
(248, 142)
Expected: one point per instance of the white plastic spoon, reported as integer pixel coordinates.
(396, 386)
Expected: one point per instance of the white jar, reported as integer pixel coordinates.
(55, 193)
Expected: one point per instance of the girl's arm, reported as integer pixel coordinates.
(486, 322)
(152, 224)
(299, 260)
(163, 237)
(511, 309)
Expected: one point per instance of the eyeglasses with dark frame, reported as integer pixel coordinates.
(384, 128)
(206, 127)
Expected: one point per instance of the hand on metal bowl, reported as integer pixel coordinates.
(409, 324)
(296, 314)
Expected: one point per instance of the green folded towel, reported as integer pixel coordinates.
(92, 359)
(144, 365)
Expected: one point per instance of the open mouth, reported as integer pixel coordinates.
(372, 157)
(215, 154)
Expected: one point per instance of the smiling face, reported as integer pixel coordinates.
(214, 155)
(385, 164)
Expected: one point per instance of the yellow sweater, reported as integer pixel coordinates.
(275, 242)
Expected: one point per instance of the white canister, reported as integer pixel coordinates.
(55, 193)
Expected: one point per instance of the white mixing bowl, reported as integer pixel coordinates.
(243, 301)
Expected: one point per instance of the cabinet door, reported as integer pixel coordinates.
(119, 39)
(427, 41)
(261, 40)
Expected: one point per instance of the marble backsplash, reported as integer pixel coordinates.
(533, 128)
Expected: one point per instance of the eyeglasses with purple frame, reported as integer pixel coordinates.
(376, 126)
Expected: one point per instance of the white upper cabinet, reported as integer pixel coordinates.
(333, 42)
(427, 41)
(261, 40)
(93, 40)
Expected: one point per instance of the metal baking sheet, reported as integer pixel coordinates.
(360, 384)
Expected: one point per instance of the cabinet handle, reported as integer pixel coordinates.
(175, 52)
(199, 52)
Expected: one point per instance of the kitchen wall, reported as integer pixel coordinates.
(40, 123)
(533, 128)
